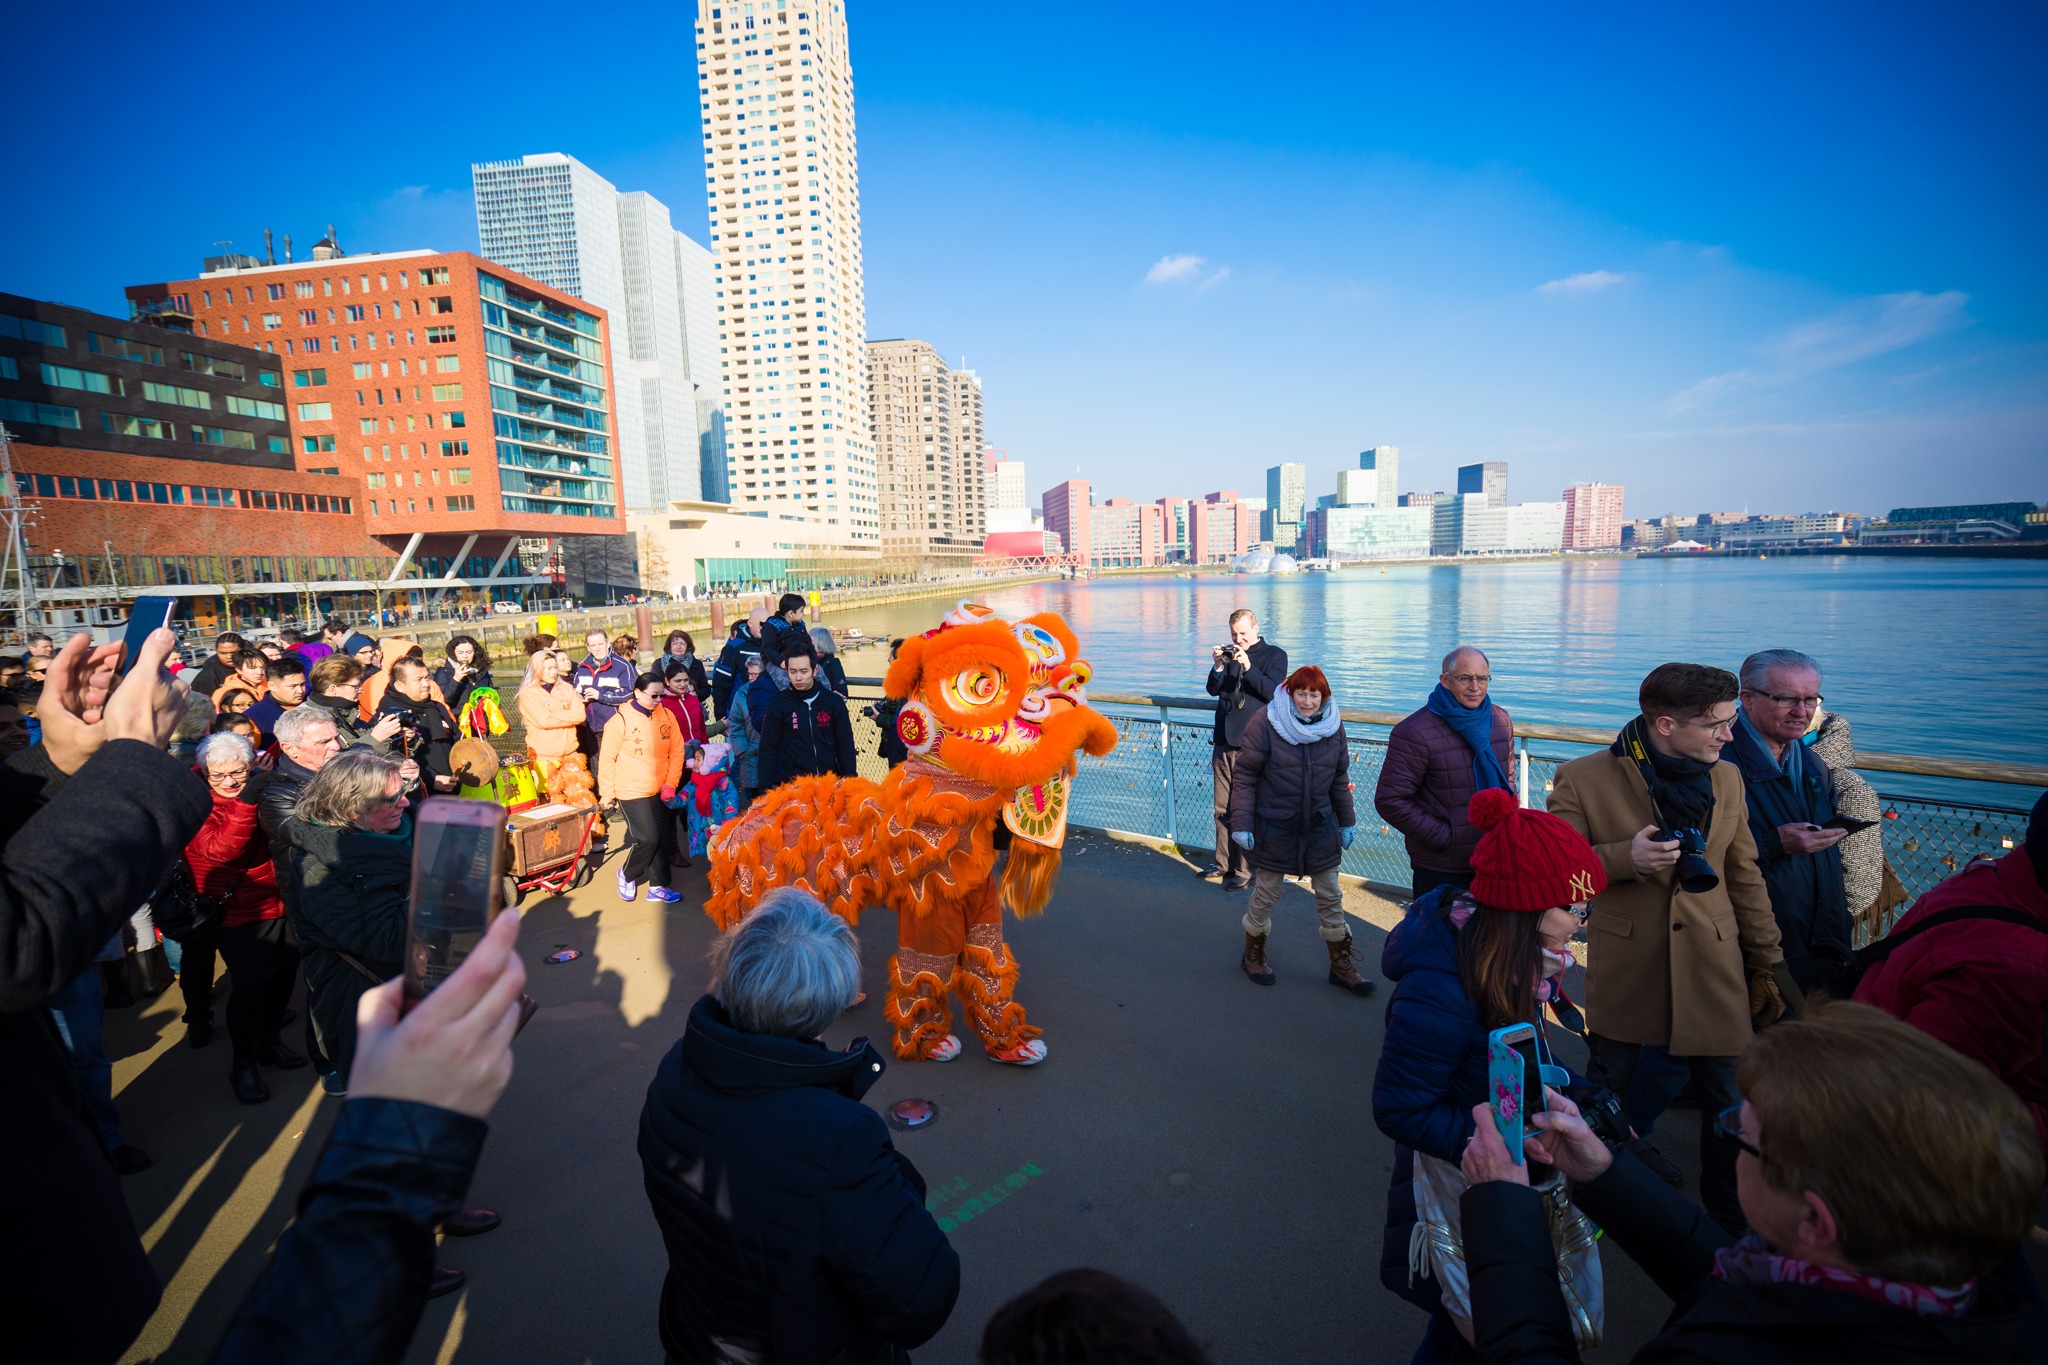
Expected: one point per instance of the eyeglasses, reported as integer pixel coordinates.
(1728, 1123)
(1711, 726)
(1467, 679)
(398, 800)
(1802, 703)
(227, 774)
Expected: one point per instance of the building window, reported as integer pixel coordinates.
(316, 445)
(269, 379)
(309, 317)
(437, 336)
(172, 393)
(441, 303)
(123, 349)
(456, 419)
(272, 321)
(303, 288)
(316, 412)
(434, 274)
(352, 313)
(222, 436)
(255, 407)
(276, 292)
(458, 476)
(447, 393)
(447, 364)
(38, 414)
(308, 379)
(121, 424)
(459, 502)
(65, 377)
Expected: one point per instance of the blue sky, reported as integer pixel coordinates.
(1781, 257)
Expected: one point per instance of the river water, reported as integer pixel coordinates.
(1943, 657)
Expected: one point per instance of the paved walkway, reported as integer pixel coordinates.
(1209, 1139)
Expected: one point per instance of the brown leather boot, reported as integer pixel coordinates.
(1254, 963)
(1342, 971)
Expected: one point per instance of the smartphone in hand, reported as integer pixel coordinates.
(1507, 1086)
(1848, 823)
(458, 877)
(148, 614)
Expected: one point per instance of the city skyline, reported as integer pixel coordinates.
(1691, 302)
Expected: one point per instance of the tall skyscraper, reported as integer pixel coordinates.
(1385, 461)
(1286, 500)
(776, 86)
(1357, 488)
(1489, 477)
(926, 421)
(1592, 516)
(555, 220)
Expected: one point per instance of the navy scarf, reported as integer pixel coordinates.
(1475, 727)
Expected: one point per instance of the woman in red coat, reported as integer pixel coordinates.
(1980, 984)
(230, 861)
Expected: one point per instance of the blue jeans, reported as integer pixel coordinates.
(80, 1011)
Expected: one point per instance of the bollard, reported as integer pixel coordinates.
(643, 619)
(718, 623)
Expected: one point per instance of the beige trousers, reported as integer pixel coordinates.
(1266, 885)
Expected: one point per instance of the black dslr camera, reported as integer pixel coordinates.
(1695, 873)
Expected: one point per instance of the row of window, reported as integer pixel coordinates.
(454, 502)
(127, 424)
(177, 494)
(455, 476)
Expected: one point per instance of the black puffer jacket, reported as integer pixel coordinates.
(428, 742)
(275, 794)
(1294, 798)
(1518, 1313)
(80, 854)
(349, 902)
(796, 1233)
(347, 1281)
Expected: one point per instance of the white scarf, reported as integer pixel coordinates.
(1288, 724)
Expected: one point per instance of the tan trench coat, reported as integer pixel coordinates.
(1663, 966)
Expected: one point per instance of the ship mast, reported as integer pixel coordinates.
(15, 554)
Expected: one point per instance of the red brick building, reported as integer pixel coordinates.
(472, 405)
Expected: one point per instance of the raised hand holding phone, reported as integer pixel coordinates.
(458, 869)
(1507, 1067)
(454, 1049)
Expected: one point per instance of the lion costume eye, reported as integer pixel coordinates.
(973, 688)
(1041, 646)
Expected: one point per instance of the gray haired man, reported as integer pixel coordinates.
(1791, 796)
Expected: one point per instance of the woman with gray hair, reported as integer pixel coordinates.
(795, 1230)
(231, 865)
(351, 868)
(829, 668)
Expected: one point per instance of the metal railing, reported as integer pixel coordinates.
(1157, 783)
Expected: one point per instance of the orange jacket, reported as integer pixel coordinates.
(639, 754)
(551, 715)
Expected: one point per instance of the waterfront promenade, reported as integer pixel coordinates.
(1209, 1138)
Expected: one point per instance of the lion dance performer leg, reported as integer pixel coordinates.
(995, 715)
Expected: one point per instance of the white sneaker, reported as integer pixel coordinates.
(627, 890)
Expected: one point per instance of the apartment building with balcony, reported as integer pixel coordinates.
(473, 404)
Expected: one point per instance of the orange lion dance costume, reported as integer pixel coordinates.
(995, 714)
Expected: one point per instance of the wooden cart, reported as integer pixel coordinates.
(550, 849)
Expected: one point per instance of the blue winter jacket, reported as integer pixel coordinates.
(1432, 1069)
(1433, 1064)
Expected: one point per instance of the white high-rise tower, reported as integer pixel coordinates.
(551, 217)
(776, 85)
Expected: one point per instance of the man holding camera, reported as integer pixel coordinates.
(1791, 796)
(1243, 676)
(1682, 942)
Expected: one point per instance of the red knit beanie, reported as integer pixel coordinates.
(1529, 859)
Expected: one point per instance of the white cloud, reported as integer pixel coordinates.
(1585, 282)
(1216, 277)
(1169, 269)
(1868, 328)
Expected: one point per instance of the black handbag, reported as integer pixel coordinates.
(179, 910)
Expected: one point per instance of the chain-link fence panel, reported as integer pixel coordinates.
(1926, 841)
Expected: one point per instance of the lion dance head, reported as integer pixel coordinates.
(1004, 703)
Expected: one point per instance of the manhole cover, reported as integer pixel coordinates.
(904, 1115)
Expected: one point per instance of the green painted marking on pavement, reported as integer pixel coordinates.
(981, 1202)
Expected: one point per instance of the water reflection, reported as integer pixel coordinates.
(1914, 651)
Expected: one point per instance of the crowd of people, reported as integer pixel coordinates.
(1872, 1116)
